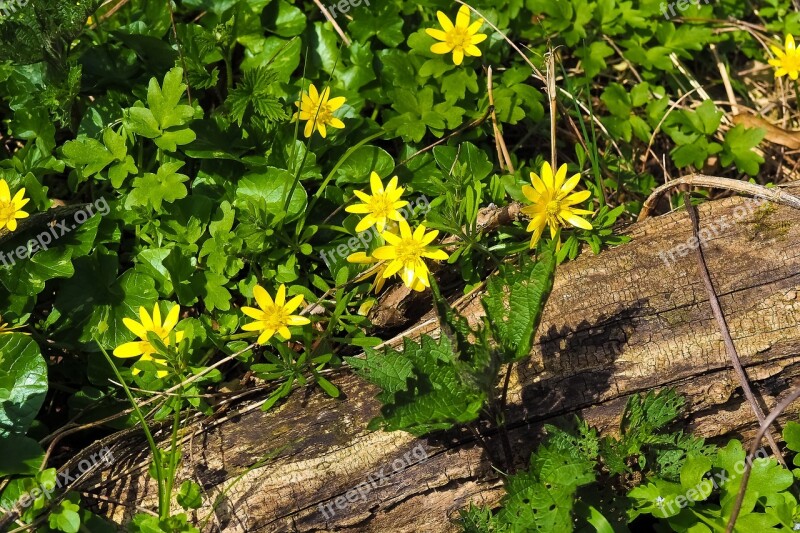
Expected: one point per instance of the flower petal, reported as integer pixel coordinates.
(144, 318)
(547, 176)
(293, 304)
(441, 48)
(444, 21)
(472, 50)
(280, 296)
(172, 318)
(375, 183)
(478, 38)
(262, 297)
(365, 223)
(358, 209)
(385, 252)
(129, 349)
(437, 255)
(252, 312)
(295, 320)
(439, 35)
(576, 198)
(575, 220)
(265, 336)
(336, 103)
(135, 328)
(462, 18)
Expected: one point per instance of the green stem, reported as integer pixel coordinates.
(338, 164)
(174, 456)
(163, 499)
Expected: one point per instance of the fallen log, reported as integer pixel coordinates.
(632, 319)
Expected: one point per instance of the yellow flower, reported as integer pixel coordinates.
(5, 329)
(274, 316)
(318, 111)
(787, 62)
(552, 203)
(460, 38)
(405, 252)
(11, 208)
(383, 205)
(142, 348)
(360, 258)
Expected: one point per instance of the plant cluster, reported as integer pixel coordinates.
(241, 144)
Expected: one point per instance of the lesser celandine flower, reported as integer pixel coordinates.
(273, 316)
(788, 61)
(361, 258)
(318, 110)
(11, 208)
(142, 348)
(380, 206)
(459, 38)
(406, 253)
(553, 202)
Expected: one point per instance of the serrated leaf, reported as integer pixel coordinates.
(514, 301)
(435, 395)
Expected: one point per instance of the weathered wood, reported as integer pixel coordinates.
(616, 324)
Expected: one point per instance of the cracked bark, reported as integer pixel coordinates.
(616, 324)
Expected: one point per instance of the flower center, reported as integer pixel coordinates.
(409, 251)
(553, 207)
(458, 38)
(7, 211)
(275, 318)
(324, 115)
(380, 205)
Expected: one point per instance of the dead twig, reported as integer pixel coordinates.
(773, 415)
(701, 180)
(503, 156)
(335, 24)
(730, 347)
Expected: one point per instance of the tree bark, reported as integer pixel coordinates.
(615, 325)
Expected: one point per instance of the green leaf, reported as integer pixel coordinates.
(88, 153)
(593, 58)
(66, 517)
(284, 19)
(422, 387)
(23, 383)
(19, 455)
(167, 185)
(362, 162)
(514, 301)
(268, 190)
(189, 495)
(164, 101)
(738, 148)
(255, 91)
(140, 120)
